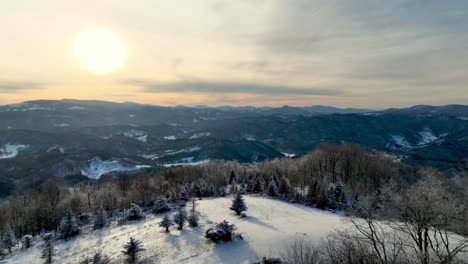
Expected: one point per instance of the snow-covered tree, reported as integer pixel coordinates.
(27, 241)
(238, 204)
(222, 232)
(259, 185)
(183, 193)
(272, 189)
(69, 227)
(161, 206)
(9, 240)
(97, 258)
(135, 212)
(132, 249)
(232, 178)
(233, 188)
(285, 187)
(179, 219)
(166, 223)
(192, 219)
(100, 219)
(48, 248)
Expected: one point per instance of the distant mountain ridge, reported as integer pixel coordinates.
(74, 137)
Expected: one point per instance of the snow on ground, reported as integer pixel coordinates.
(426, 137)
(62, 125)
(10, 151)
(97, 167)
(269, 225)
(56, 147)
(199, 135)
(150, 156)
(77, 108)
(401, 141)
(289, 155)
(136, 134)
(185, 150)
(186, 162)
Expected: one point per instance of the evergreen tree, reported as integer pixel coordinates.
(340, 197)
(285, 187)
(331, 198)
(9, 240)
(100, 219)
(232, 178)
(48, 248)
(259, 186)
(69, 227)
(272, 189)
(313, 192)
(27, 241)
(222, 232)
(192, 219)
(183, 193)
(135, 212)
(238, 204)
(233, 188)
(166, 223)
(161, 206)
(179, 218)
(132, 249)
(97, 258)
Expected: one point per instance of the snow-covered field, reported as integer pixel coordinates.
(269, 225)
(97, 167)
(10, 151)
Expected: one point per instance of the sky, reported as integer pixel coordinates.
(359, 53)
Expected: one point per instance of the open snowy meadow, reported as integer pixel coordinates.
(269, 225)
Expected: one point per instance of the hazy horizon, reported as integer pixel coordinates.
(356, 54)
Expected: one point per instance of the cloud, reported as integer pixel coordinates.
(220, 87)
(10, 87)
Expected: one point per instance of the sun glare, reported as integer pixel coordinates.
(99, 52)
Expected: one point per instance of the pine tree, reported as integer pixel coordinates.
(233, 188)
(183, 193)
(97, 258)
(179, 218)
(192, 219)
(259, 186)
(48, 248)
(9, 240)
(285, 187)
(238, 204)
(313, 192)
(69, 227)
(135, 212)
(232, 178)
(166, 223)
(161, 206)
(99, 220)
(27, 241)
(132, 249)
(272, 189)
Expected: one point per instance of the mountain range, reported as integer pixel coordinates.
(94, 138)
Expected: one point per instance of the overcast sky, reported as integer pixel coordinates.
(352, 53)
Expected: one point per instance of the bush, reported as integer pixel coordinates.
(27, 241)
(99, 220)
(135, 212)
(69, 227)
(222, 232)
(161, 206)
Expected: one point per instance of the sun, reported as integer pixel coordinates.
(99, 51)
